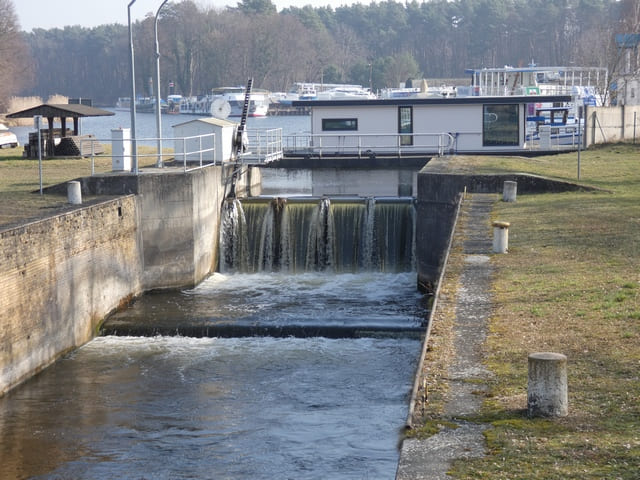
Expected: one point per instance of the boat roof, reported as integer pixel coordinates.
(534, 68)
(404, 101)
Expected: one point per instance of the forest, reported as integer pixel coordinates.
(377, 45)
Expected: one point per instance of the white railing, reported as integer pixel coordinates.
(368, 145)
(263, 146)
(194, 152)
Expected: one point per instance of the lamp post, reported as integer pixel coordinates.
(134, 142)
(158, 103)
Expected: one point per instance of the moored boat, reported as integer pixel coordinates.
(258, 102)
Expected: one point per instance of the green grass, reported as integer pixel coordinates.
(569, 284)
(20, 182)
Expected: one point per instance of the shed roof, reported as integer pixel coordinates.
(210, 120)
(61, 110)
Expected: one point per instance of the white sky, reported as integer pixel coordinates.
(90, 13)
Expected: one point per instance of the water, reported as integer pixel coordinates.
(233, 408)
(146, 125)
(175, 407)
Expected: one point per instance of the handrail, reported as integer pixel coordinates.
(363, 145)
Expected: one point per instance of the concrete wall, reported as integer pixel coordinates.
(612, 124)
(439, 189)
(62, 276)
(59, 278)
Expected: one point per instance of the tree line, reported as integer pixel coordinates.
(377, 45)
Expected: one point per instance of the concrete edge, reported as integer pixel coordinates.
(434, 305)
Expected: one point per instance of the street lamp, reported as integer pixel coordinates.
(134, 142)
(158, 106)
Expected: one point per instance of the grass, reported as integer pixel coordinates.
(569, 284)
(20, 200)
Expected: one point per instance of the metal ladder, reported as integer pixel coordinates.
(237, 143)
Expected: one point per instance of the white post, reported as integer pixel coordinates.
(74, 193)
(547, 387)
(509, 191)
(500, 237)
(121, 150)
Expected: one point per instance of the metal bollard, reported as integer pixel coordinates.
(509, 191)
(547, 388)
(74, 193)
(500, 237)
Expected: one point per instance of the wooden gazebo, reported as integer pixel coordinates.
(61, 111)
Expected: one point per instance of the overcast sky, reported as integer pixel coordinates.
(89, 13)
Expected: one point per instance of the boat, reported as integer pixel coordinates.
(346, 92)
(148, 105)
(8, 139)
(259, 101)
(123, 104)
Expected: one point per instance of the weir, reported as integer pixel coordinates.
(302, 266)
(306, 234)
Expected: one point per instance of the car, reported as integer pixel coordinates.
(8, 139)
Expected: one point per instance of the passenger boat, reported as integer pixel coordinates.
(258, 102)
(123, 104)
(8, 139)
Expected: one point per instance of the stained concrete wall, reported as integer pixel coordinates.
(438, 192)
(58, 279)
(612, 124)
(61, 276)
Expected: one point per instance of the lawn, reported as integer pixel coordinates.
(569, 284)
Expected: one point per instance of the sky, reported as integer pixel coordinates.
(90, 13)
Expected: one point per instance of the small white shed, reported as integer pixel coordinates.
(209, 137)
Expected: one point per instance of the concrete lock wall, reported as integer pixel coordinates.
(59, 278)
(63, 275)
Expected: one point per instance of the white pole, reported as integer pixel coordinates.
(158, 105)
(134, 142)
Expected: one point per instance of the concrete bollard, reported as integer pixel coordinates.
(500, 237)
(509, 190)
(547, 389)
(74, 193)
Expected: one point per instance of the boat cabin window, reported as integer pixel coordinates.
(405, 125)
(339, 124)
(500, 126)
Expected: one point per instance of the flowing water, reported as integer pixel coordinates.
(295, 361)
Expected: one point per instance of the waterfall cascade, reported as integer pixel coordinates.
(317, 234)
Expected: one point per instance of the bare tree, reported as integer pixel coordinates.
(13, 70)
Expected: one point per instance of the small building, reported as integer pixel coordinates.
(424, 126)
(208, 139)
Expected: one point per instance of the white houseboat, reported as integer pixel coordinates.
(234, 96)
(420, 126)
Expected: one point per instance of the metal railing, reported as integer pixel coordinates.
(189, 152)
(263, 145)
(368, 145)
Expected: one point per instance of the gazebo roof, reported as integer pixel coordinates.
(49, 110)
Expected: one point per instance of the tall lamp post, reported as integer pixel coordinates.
(158, 103)
(134, 142)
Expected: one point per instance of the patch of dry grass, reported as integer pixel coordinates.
(20, 200)
(570, 284)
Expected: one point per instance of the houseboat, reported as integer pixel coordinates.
(421, 126)
(258, 102)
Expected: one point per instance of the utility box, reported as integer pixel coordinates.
(121, 149)
(193, 140)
